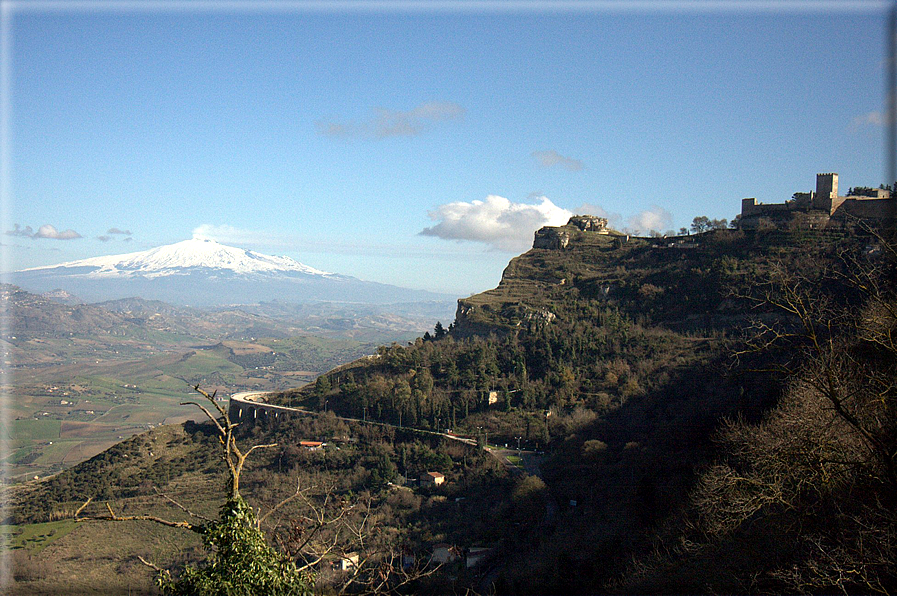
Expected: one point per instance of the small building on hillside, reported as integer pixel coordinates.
(492, 398)
(346, 562)
(312, 445)
(432, 479)
(476, 555)
(445, 553)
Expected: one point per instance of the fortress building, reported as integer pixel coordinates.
(823, 208)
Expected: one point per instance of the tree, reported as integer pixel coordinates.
(862, 191)
(439, 331)
(322, 385)
(815, 481)
(240, 560)
(240, 563)
(700, 224)
(402, 399)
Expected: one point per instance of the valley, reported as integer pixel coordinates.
(88, 376)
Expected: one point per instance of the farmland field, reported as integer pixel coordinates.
(85, 377)
(63, 410)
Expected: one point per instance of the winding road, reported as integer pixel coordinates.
(256, 401)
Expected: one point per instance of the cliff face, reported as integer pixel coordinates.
(533, 282)
(679, 282)
(482, 319)
(552, 238)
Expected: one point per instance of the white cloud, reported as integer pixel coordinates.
(45, 231)
(18, 230)
(394, 123)
(111, 234)
(48, 231)
(257, 239)
(227, 234)
(655, 218)
(873, 118)
(496, 221)
(551, 158)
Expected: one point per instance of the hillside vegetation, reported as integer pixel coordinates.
(618, 359)
(705, 413)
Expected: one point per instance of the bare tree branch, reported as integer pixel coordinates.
(179, 506)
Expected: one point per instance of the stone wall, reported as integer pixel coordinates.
(867, 208)
(750, 207)
(817, 209)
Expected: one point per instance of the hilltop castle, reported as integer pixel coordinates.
(823, 208)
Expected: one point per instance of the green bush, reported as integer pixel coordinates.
(240, 564)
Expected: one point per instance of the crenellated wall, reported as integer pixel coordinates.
(818, 209)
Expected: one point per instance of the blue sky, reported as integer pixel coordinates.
(420, 147)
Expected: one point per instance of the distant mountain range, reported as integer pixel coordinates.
(204, 273)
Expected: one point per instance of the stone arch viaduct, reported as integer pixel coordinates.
(250, 405)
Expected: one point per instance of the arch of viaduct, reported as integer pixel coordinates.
(249, 405)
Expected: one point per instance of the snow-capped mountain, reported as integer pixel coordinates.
(202, 272)
(180, 258)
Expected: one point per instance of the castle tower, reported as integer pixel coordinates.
(826, 191)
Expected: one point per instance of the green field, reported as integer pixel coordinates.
(99, 394)
(56, 452)
(25, 431)
(35, 537)
(203, 364)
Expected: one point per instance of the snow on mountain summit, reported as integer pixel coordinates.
(178, 258)
(203, 273)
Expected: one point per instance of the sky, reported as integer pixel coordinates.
(420, 144)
